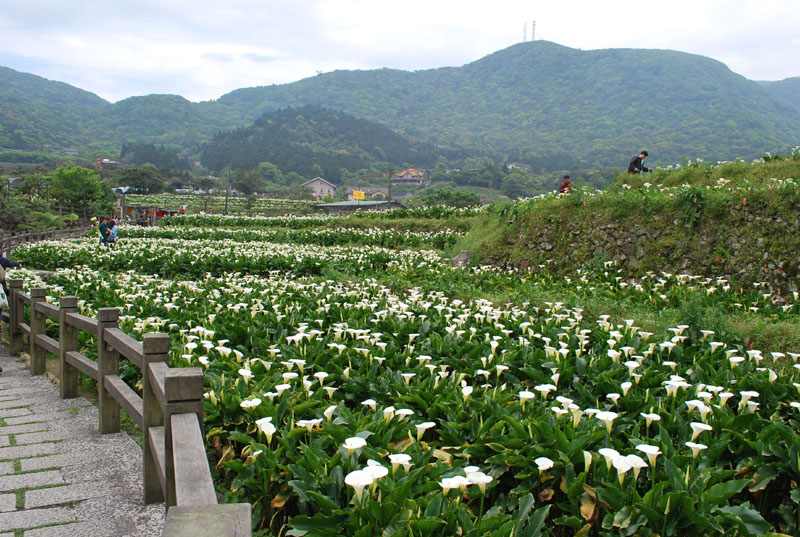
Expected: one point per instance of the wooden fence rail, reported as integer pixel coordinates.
(169, 412)
(8, 244)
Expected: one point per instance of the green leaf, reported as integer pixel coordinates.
(762, 477)
(322, 502)
(720, 492)
(434, 507)
(427, 524)
(399, 524)
(525, 504)
(535, 523)
(752, 522)
(319, 524)
(622, 518)
(242, 438)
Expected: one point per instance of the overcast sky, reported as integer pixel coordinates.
(203, 49)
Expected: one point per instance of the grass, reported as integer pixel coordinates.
(766, 333)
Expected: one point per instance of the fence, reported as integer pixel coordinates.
(169, 412)
(8, 244)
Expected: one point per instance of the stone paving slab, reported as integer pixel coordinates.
(8, 502)
(15, 452)
(56, 417)
(38, 400)
(35, 517)
(13, 412)
(56, 404)
(78, 529)
(67, 494)
(74, 481)
(34, 479)
(24, 428)
(57, 461)
(38, 438)
(27, 392)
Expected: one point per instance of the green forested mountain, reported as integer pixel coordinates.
(552, 106)
(537, 102)
(296, 139)
(38, 113)
(788, 89)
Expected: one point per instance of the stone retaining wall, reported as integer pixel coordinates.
(744, 245)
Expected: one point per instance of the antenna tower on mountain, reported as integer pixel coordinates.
(524, 32)
(533, 31)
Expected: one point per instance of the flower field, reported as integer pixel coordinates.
(194, 203)
(364, 390)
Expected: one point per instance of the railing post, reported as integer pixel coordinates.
(183, 391)
(67, 341)
(38, 294)
(107, 364)
(155, 348)
(14, 315)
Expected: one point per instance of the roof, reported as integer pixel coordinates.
(320, 179)
(410, 171)
(368, 189)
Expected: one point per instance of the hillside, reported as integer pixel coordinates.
(36, 112)
(788, 89)
(537, 102)
(552, 106)
(298, 138)
(738, 222)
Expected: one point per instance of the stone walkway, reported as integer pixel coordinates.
(59, 477)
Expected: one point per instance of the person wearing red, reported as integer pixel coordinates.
(566, 186)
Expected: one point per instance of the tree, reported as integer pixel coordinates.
(81, 188)
(271, 173)
(205, 183)
(302, 192)
(139, 154)
(34, 186)
(247, 181)
(143, 180)
(519, 184)
(294, 178)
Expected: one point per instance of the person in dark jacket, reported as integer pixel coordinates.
(104, 229)
(6, 263)
(636, 164)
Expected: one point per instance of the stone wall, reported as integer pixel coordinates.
(743, 244)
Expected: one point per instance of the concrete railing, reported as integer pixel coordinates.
(8, 244)
(169, 412)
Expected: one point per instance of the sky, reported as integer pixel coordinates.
(202, 49)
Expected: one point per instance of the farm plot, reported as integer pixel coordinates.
(359, 407)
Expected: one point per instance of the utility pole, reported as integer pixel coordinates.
(228, 190)
(389, 193)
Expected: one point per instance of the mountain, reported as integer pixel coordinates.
(298, 139)
(788, 89)
(36, 112)
(556, 107)
(538, 103)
